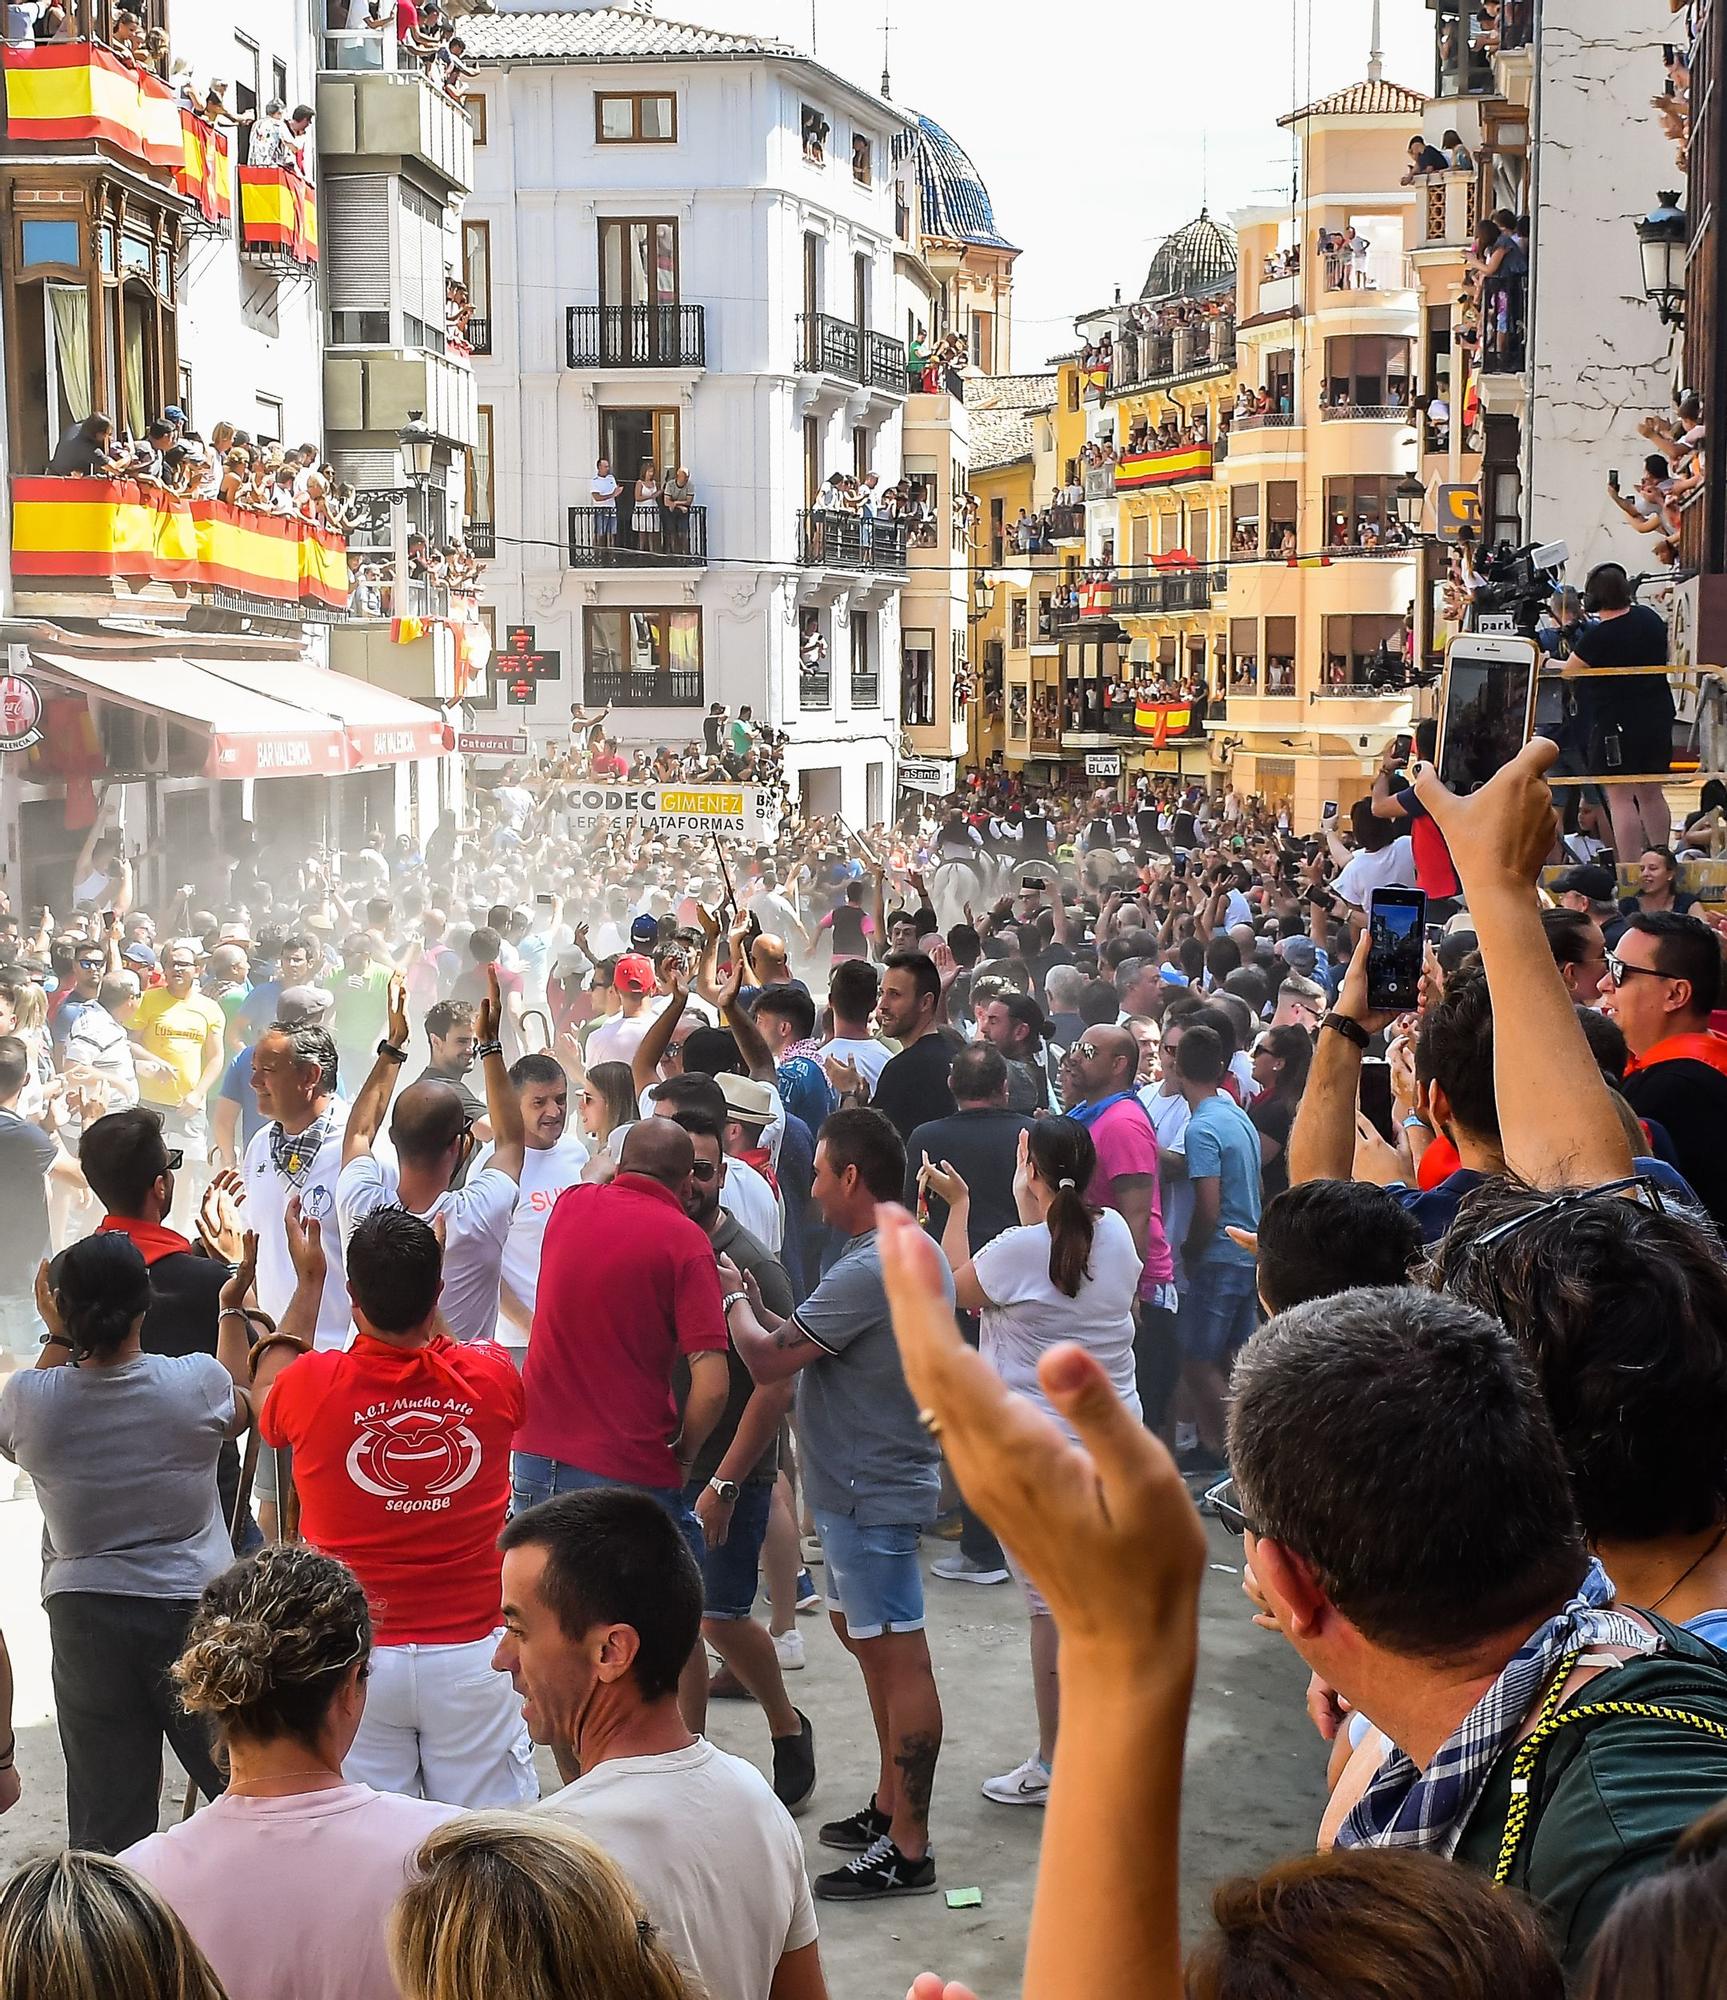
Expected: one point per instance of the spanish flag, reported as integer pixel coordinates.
(278, 211)
(1096, 377)
(79, 90)
(1096, 596)
(205, 173)
(1161, 720)
(1141, 469)
(1308, 562)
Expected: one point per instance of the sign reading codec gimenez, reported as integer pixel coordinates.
(745, 812)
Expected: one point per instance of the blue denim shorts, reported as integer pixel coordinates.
(874, 1580)
(533, 1479)
(1219, 1312)
(729, 1573)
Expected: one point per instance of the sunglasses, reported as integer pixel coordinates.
(1221, 1500)
(172, 1159)
(705, 1170)
(1618, 971)
(1648, 1193)
(1086, 1051)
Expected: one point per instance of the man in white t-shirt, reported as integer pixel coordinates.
(618, 1037)
(433, 1137)
(1390, 867)
(714, 1855)
(553, 1161)
(298, 1152)
(604, 489)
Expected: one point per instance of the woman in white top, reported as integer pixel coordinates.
(276, 1655)
(645, 519)
(1069, 1272)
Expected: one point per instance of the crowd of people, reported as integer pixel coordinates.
(473, 1297)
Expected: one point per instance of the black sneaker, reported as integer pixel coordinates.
(795, 1766)
(880, 1870)
(861, 1830)
(1196, 1461)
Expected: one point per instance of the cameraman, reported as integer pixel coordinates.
(1629, 721)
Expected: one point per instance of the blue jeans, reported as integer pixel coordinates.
(1219, 1311)
(730, 1572)
(874, 1580)
(534, 1479)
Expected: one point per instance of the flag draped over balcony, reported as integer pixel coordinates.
(205, 173)
(1136, 470)
(78, 90)
(1161, 720)
(278, 211)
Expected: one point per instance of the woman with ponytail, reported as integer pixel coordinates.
(1070, 1272)
(122, 1446)
(277, 1657)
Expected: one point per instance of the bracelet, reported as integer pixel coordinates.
(293, 1340)
(1351, 1031)
(731, 1299)
(484, 1049)
(391, 1053)
(235, 1312)
(1416, 1123)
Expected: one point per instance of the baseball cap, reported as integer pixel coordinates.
(747, 1098)
(1172, 975)
(1301, 953)
(1600, 885)
(633, 975)
(305, 1006)
(645, 933)
(174, 414)
(138, 955)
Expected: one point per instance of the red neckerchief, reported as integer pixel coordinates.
(762, 1160)
(152, 1238)
(1709, 1049)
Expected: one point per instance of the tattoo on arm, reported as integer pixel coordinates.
(788, 1334)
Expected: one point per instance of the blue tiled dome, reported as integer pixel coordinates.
(955, 202)
(1198, 259)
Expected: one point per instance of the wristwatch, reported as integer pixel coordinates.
(731, 1299)
(1351, 1031)
(484, 1049)
(724, 1489)
(395, 1054)
(1416, 1123)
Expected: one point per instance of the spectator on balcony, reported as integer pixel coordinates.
(85, 450)
(1458, 158)
(279, 142)
(676, 498)
(604, 489)
(645, 516)
(1425, 158)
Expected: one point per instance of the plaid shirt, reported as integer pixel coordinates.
(1404, 1807)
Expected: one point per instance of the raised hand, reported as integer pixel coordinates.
(491, 1012)
(221, 1223)
(305, 1244)
(944, 1182)
(396, 1015)
(239, 1286)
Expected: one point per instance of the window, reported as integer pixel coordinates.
(1361, 649)
(477, 281)
(815, 131)
(1280, 379)
(980, 341)
(1281, 515)
(1016, 623)
(866, 686)
(860, 451)
(246, 89)
(1244, 520)
(50, 243)
(269, 418)
(360, 329)
(812, 461)
(917, 678)
(631, 439)
(863, 160)
(420, 259)
(1366, 371)
(184, 399)
(479, 457)
(638, 261)
(475, 102)
(279, 81)
(1280, 656)
(1360, 513)
(635, 117)
(860, 288)
(649, 657)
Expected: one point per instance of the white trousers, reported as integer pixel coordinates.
(441, 1723)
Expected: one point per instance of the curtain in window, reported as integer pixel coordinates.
(132, 366)
(69, 312)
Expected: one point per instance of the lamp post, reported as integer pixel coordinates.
(1410, 498)
(415, 441)
(1662, 239)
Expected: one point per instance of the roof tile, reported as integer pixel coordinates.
(602, 34)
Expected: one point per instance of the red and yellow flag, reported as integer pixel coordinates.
(206, 172)
(1137, 470)
(1161, 720)
(278, 211)
(79, 90)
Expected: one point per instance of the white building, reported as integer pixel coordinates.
(686, 241)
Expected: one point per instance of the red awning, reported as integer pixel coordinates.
(251, 735)
(381, 727)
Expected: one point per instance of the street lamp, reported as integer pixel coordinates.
(1662, 238)
(1410, 499)
(417, 441)
(982, 598)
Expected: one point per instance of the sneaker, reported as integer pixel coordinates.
(1028, 1786)
(880, 1870)
(950, 1527)
(812, 1551)
(795, 1766)
(961, 1569)
(808, 1597)
(862, 1830)
(789, 1651)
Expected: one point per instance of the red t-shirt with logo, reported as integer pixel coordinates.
(627, 1283)
(402, 1460)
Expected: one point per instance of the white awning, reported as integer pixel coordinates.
(382, 728)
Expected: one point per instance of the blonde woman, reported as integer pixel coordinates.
(645, 515)
(525, 1909)
(276, 1658)
(74, 1926)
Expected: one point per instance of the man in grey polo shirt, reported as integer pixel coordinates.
(873, 1478)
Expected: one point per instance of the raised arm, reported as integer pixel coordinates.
(503, 1106)
(368, 1110)
(645, 1063)
(1557, 1121)
(1322, 1140)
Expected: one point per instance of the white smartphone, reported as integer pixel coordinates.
(1486, 706)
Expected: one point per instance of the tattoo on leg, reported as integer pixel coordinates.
(915, 1759)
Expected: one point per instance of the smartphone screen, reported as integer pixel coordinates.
(1397, 920)
(1487, 709)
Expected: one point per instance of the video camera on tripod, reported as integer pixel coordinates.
(1515, 587)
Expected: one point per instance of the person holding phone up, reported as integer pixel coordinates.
(1629, 720)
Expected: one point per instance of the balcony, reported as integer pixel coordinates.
(1099, 482)
(1066, 522)
(392, 114)
(77, 96)
(113, 540)
(847, 541)
(651, 687)
(1504, 356)
(660, 336)
(1448, 210)
(377, 391)
(866, 690)
(1162, 360)
(481, 538)
(607, 538)
(1279, 295)
(1166, 591)
(478, 333)
(279, 221)
(1365, 413)
(815, 688)
(1263, 420)
(830, 346)
(1141, 471)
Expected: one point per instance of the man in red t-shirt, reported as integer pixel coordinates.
(401, 1448)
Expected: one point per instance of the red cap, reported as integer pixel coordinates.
(634, 975)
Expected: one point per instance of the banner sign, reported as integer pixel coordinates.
(935, 775)
(744, 812)
(1103, 764)
(477, 743)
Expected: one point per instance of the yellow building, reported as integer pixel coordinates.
(1321, 594)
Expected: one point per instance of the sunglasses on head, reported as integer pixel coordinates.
(171, 1160)
(1086, 1051)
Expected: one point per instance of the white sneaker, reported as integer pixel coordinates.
(1028, 1786)
(961, 1569)
(811, 1548)
(789, 1651)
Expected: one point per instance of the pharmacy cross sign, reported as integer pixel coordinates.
(522, 665)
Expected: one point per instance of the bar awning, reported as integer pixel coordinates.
(381, 727)
(251, 735)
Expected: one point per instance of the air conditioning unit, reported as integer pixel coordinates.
(135, 742)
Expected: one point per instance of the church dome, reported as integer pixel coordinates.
(955, 203)
(1198, 259)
